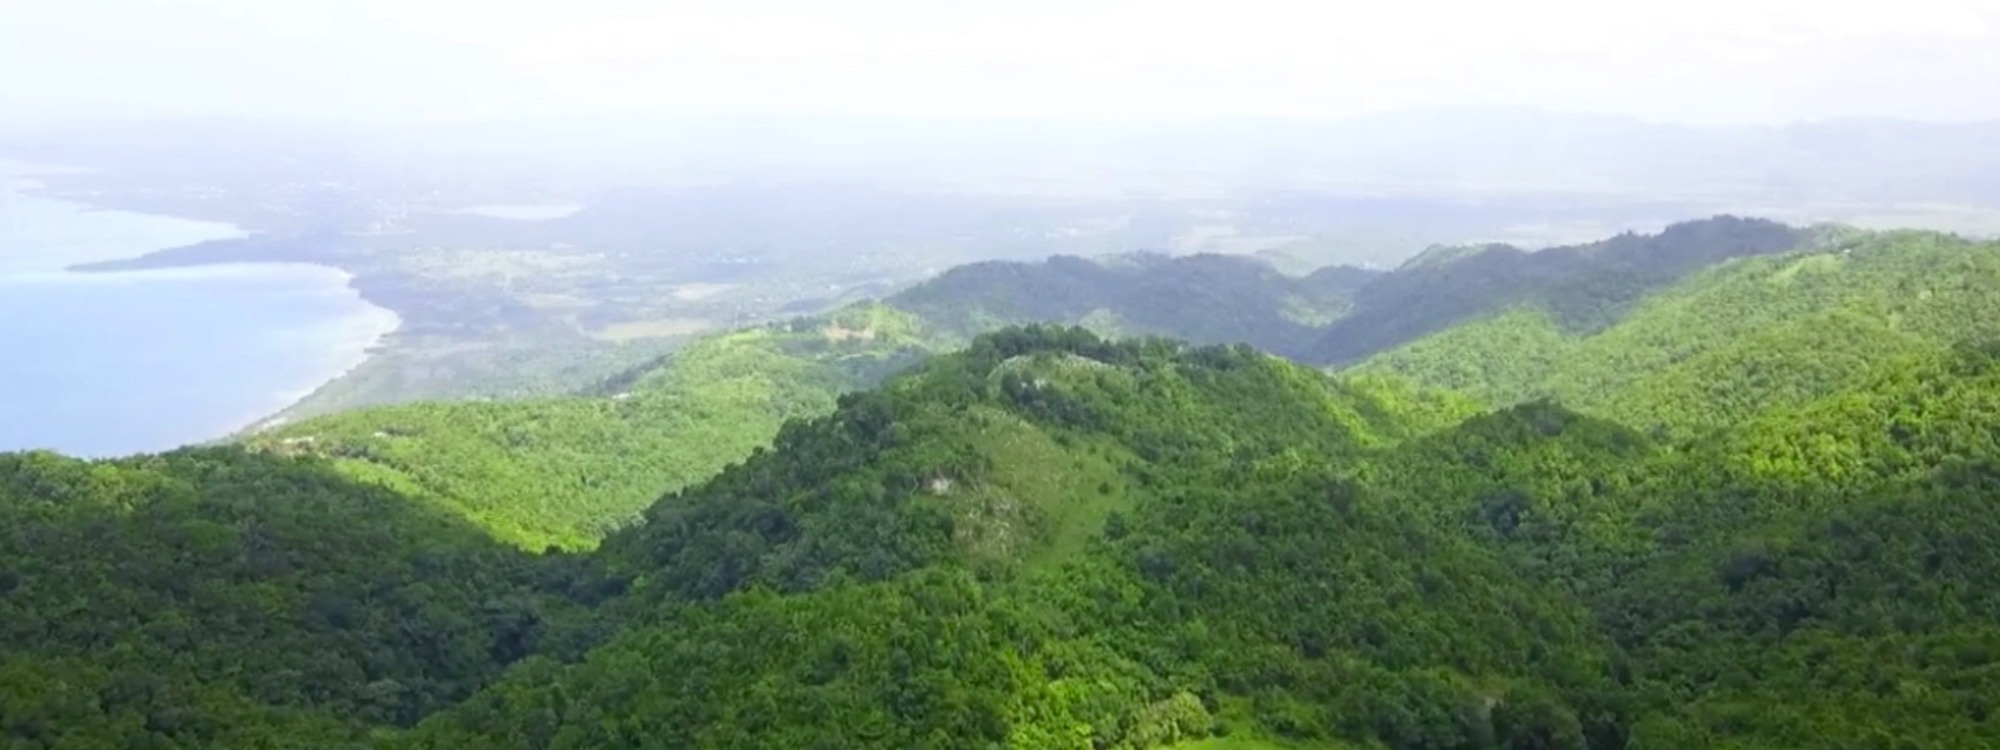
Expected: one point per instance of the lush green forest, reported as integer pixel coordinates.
(1732, 341)
(562, 471)
(1295, 558)
(1749, 508)
(1580, 289)
(1052, 540)
(1206, 299)
(216, 598)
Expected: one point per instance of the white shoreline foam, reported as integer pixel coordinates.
(351, 340)
(359, 338)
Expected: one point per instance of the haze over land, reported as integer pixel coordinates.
(1705, 61)
(1177, 375)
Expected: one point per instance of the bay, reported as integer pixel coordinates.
(105, 364)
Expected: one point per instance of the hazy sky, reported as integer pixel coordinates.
(1686, 60)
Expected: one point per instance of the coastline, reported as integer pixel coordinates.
(353, 331)
(362, 337)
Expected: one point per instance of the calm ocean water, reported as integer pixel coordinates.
(112, 364)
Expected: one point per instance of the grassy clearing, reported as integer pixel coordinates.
(1064, 491)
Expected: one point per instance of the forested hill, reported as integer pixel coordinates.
(1210, 299)
(562, 471)
(217, 599)
(1341, 315)
(1733, 341)
(1581, 288)
(1052, 540)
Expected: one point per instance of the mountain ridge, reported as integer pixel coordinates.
(719, 398)
(1051, 539)
(1742, 505)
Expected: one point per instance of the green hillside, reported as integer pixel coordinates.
(563, 471)
(1748, 506)
(886, 578)
(1290, 559)
(1206, 299)
(217, 599)
(1742, 338)
(1816, 578)
(1581, 289)
(1052, 540)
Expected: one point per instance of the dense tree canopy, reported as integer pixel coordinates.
(212, 598)
(1749, 509)
(1733, 341)
(1289, 556)
(1209, 299)
(1581, 289)
(563, 471)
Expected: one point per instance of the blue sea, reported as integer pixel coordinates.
(143, 361)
